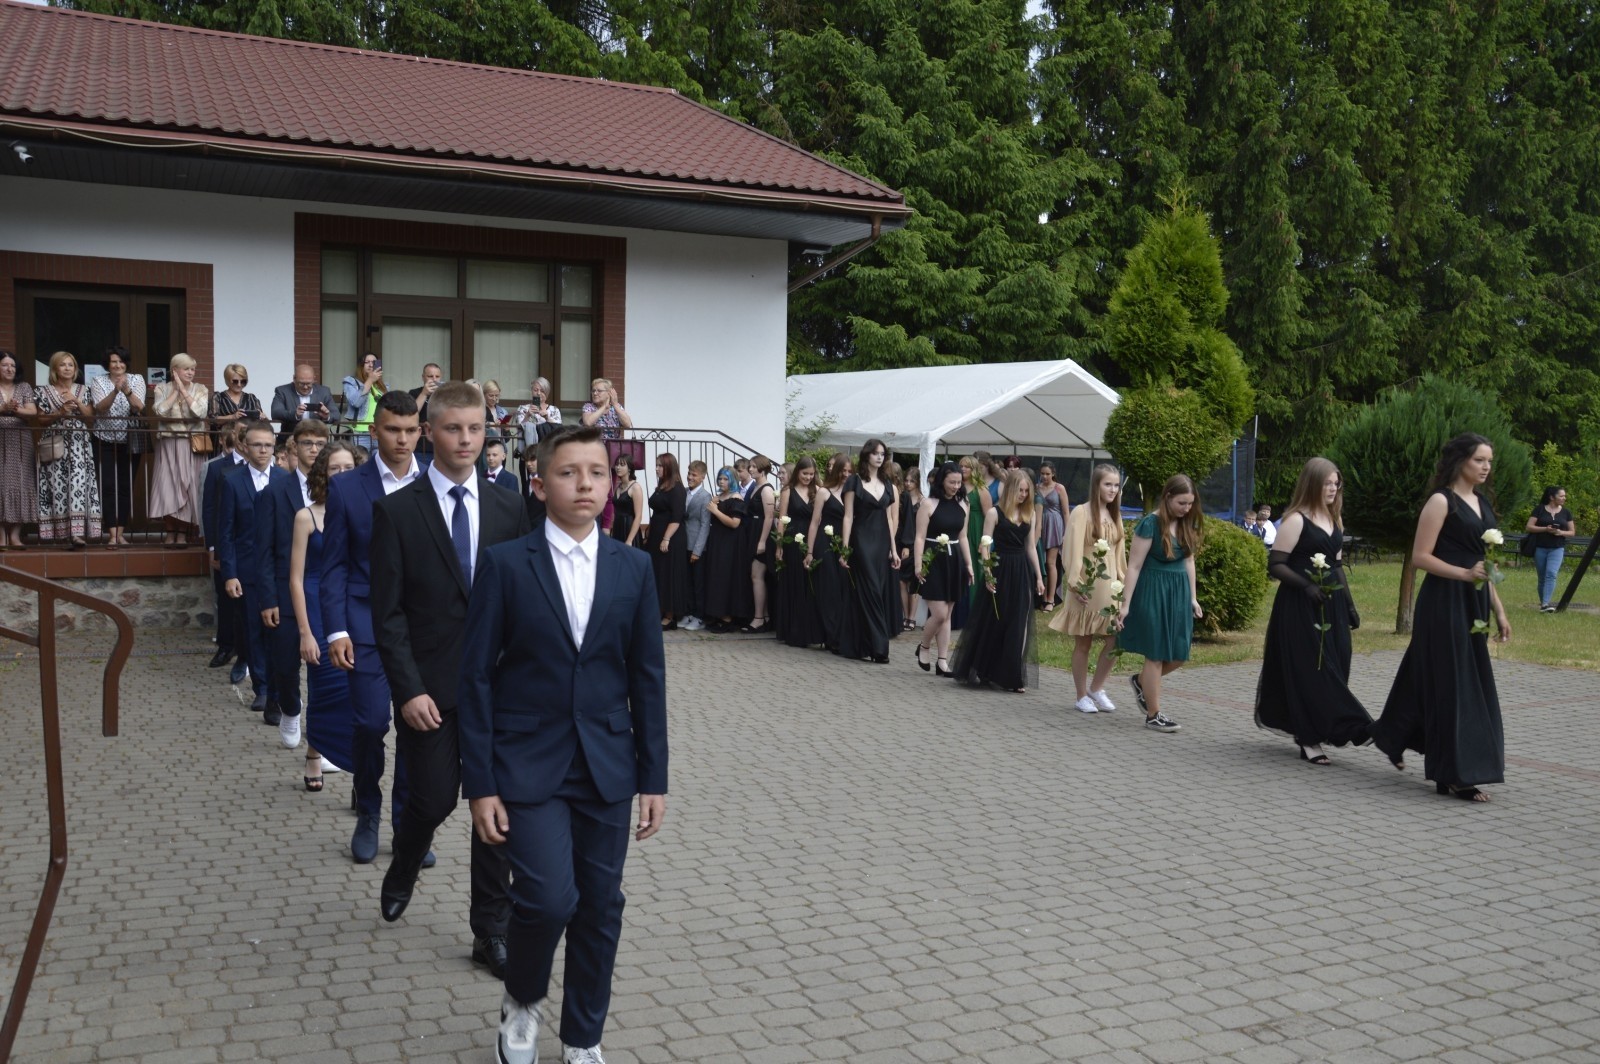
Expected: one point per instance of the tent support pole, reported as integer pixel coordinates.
(843, 257)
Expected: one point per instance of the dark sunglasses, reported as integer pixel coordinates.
(238, 380)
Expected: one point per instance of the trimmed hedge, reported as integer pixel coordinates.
(1231, 575)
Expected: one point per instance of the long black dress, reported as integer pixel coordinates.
(672, 565)
(798, 622)
(1296, 694)
(754, 514)
(905, 539)
(1443, 703)
(728, 591)
(622, 516)
(873, 617)
(947, 571)
(997, 646)
(831, 583)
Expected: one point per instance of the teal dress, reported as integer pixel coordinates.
(1160, 622)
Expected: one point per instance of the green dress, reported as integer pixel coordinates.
(1160, 622)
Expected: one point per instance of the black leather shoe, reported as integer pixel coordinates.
(398, 883)
(491, 953)
(429, 860)
(220, 658)
(237, 674)
(271, 714)
(364, 843)
(259, 705)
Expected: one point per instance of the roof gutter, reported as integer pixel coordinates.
(113, 136)
(843, 257)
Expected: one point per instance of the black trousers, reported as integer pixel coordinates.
(432, 761)
(117, 464)
(230, 617)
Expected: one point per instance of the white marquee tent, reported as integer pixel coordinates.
(1056, 408)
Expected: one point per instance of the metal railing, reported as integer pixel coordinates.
(49, 592)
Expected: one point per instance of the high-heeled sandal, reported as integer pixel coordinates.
(1466, 794)
(923, 665)
(313, 783)
(1320, 759)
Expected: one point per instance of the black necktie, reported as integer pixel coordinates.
(461, 532)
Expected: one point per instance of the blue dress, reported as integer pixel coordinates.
(330, 720)
(1160, 622)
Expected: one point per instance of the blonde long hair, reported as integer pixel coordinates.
(1105, 521)
(1308, 490)
(1014, 484)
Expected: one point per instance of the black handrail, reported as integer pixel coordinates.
(55, 790)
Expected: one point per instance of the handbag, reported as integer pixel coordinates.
(1528, 545)
(200, 442)
(52, 448)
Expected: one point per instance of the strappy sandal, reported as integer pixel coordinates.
(314, 783)
(1466, 794)
(1320, 759)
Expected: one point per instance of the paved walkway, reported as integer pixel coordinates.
(860, 863)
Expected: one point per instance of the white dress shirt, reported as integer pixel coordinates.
(442, 486)
(575, 568)
(260, 478)
(305, 492)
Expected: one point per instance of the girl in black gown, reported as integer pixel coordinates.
(869, 527)
(997, 646)
(799, 623)
(667, 545)
(905, 539)
(1305, 671)
(727, 574)
(945, 578)
(760, 513)
(627, 501)
(829, 582)
(1443, 703)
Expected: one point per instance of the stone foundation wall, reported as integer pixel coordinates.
(151, 602)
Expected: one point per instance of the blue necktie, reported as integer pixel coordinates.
(461, 532)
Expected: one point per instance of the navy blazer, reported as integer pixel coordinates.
(275, 510)
(505, 479)
(530, 697)
(346, 537)
(211, 495)
(238, 545)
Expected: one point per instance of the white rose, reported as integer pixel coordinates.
(800, 539)
(1116, 588)
(827, 530)
(1493, 537)
(1101, 547)
(1319, 561)
(943, 540)
(785, 521)
(986, 541)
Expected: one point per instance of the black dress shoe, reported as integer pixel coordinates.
(221, 658)
(398, 883)
(490, 951)
(259, 704)
(237, 674)
(271, 714)
(364, 843)
(429, 860)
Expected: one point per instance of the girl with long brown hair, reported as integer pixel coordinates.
(1097, 519)
(666, 544)
(997, 646)
(1161, 599)
(1305, 669)
(828, 581)
(871, 511)
(796, 617)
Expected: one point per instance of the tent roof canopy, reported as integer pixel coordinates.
(1044, 407)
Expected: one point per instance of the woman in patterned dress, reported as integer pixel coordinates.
(69, 492)
(180, 408)
(19, 488)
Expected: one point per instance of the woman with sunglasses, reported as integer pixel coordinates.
(233, 403)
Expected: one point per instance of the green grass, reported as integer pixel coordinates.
(1570, 639)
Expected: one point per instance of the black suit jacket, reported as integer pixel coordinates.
(419, 596)
(286, 405)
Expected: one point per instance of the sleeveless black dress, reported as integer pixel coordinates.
(622, 516)
(905, 539)
(1308, 700)
(1444, 703)
(728, 591)
(873, 618)
(830, 583)
(672, 565)
(796, 618)
(947, 572)
(997, 645)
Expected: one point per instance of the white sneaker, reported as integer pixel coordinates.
(289, 731)
(691, 624)
(519, 1032)
(1103, 701)
(1086, 705)
(573, 1055)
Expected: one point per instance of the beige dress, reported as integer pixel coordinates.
(175, 485)
(1074, 617)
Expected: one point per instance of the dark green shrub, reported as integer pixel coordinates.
(1231, 576)
(1156, 432)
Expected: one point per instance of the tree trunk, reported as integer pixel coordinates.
(1408, 580)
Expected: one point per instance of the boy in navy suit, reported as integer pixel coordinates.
(563, 719)
(275, 510)
(495, 471)
(238, 553)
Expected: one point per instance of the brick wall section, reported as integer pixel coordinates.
(193, 277)
(607, 254)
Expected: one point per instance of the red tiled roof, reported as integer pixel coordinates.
(144, 76)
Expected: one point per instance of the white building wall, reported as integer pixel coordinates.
(706, 316)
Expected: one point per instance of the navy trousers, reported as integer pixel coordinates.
(283, 653)
(255, 647)
(566, 859)
(369, 703)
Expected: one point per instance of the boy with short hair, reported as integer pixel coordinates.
(495, 471)
(561, 613)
